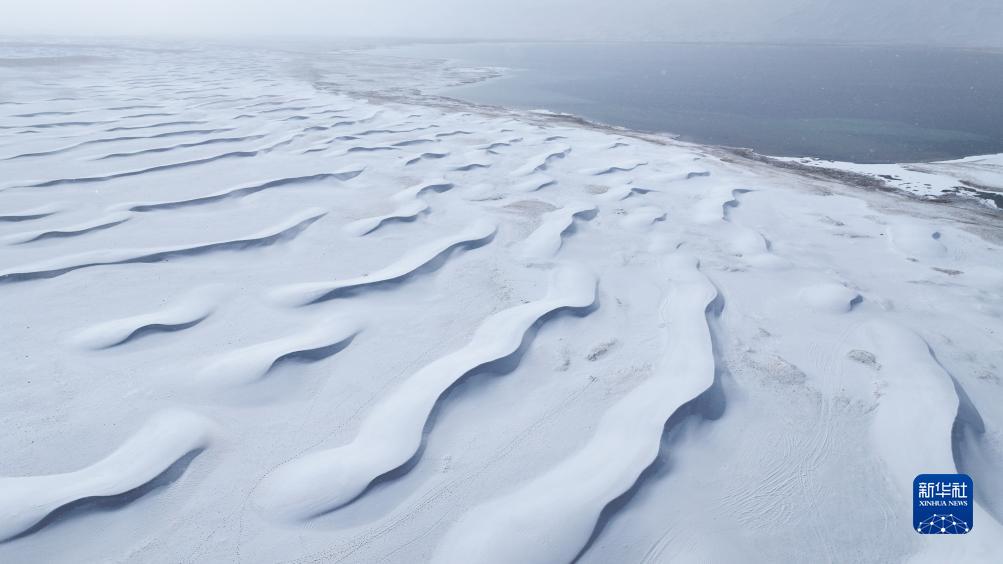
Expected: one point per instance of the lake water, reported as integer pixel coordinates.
(860, 104)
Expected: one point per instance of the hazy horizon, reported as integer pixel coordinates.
(952, 22)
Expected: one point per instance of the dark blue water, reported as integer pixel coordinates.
(861, 104)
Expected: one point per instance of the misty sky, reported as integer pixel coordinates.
(953, 22)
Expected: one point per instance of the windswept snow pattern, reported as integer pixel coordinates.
(253, 362)
(309, 293)
(408, 206)
(278, 306)
(188, 312)
(551, 518)
(546, 241)
(326, 480)
(158, 444)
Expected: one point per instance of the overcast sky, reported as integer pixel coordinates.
(956, 22)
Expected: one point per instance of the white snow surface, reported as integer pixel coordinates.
(978, 178)
(274, 306)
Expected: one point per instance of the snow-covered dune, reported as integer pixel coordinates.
(168, 436)
(274, 306)
(551, 518)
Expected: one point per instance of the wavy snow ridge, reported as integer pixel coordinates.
(392, 432)
(308, 293)
(159, 443)
(251, 363)
(59, 266)
(546, 241)
(551, 518)
(187, 312)
(408, 206)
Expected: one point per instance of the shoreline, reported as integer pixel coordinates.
(964, 192)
